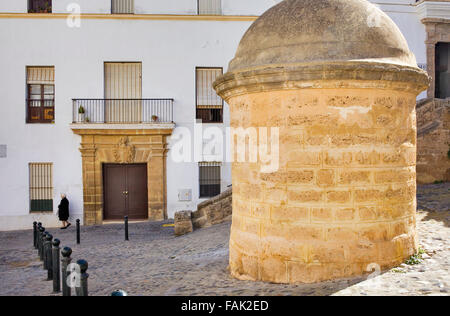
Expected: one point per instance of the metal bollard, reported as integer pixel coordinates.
(39, 225)
(44, 250)
(34, 234)
(126, 228)
(49, 257)
(56, 264)
(78, 232)
(38, 232)
(41, 243)
(82, 290)
(65, 262)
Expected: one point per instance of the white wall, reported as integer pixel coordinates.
(247, 7)
(169, 51)
(188, 7)
(15, 6)
(86, 6)
(408, 21)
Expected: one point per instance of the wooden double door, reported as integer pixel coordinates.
(125, 191)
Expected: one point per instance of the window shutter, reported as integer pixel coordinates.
(210, 7)
(40, 75)
(206, 95)
(122, 6)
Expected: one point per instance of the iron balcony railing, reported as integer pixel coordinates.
(122, 111)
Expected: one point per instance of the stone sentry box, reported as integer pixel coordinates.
(338, 79)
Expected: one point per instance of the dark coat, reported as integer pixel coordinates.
(63, 210)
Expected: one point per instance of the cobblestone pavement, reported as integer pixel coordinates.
(154, 262)
(434, 197)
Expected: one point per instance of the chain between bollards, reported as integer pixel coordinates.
(78, 232)
(65, 262)
(56, 265)
(126, 228)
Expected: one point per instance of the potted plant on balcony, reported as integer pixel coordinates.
(81, 114)
(46, 8)
(154, 118)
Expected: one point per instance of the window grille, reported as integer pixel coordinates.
(209, 179)
(209, 104)
(41, 187)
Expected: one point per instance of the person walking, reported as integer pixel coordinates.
(63, 211)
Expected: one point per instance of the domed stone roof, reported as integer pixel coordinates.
(318, 31)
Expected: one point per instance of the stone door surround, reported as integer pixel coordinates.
(438, 30)
(127, 146)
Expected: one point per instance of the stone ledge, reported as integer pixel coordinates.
(351, 74)
(122, 129)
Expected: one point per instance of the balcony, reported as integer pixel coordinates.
(122, 111)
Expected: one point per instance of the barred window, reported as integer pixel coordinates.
(209, 104)
(40, 94)
(39, 6)
(209, 179)
(122, 6)
(41, 187)
(209, 7)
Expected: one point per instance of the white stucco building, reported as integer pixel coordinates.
(136, 71)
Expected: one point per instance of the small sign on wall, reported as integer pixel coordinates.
(185, 195)
(3, 151)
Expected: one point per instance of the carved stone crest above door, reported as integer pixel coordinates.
(124, 152)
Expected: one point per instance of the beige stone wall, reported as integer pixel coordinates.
(344, 196)
(99, 146)
(214, 211)
(211, 212)
(433, 143)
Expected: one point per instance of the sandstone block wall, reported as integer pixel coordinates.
(183, 223)
(433, 144)
(345, 194)
(211, 212)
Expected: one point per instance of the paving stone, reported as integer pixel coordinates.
(155, 262)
